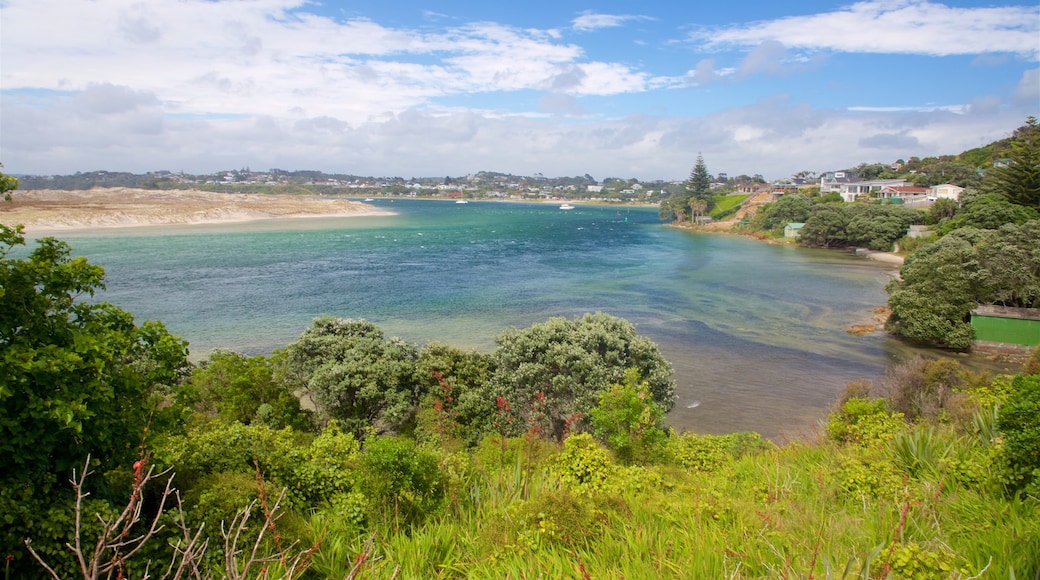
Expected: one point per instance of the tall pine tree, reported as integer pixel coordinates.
(1019, 180)
(698, 188)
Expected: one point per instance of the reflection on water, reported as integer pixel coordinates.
(755, 332)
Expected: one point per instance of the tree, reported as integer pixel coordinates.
(1019, 179)
(825, 226)
(629, 421)
(943, 282)
(792, 207)
(7, 185)
(79, 378)
(698, 186)
(245, 389)
(354, 375)
(569, 363)
(988, 211)
(943, 208)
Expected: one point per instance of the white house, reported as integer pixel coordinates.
(947, 190)
(595, 188)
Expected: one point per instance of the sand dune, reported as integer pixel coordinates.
(119, 207)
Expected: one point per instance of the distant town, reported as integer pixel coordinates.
(917, 174)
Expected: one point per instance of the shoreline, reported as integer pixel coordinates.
(53, 212)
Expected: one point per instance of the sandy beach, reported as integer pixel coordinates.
(55, 211)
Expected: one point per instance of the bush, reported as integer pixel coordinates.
(403, 483)
(927, 390)
(583, 465)
(864, 422)
(629, 421)
(1019, 420)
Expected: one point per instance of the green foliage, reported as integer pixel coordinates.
(403, 483)
(78, 377)
(943, 208)
(570, 363)
(629, 421)
(987, 212)
(313, 469)
(7, 185)
(866, 422)
(914, 561)
(870, 225)
(1019, 180)
(932, 301)
(356, 376)
(707, 453)
(456, 403)
(793, 207)
(1019, 421)
(584, 466)
(556, 517)
(942, 283)
(919, 451)
(245, 389)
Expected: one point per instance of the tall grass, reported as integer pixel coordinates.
(782, 513)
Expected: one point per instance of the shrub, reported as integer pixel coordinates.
(403, 483)
(629, 421)
(1019, 420)
(583, 465)
(926, 390)
(863, 422)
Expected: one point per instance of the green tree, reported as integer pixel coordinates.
(942, 283)
(932, 301)
(944, 208)
(1019, 421)
(78, 378)
(629, 421)
(698, 186)
(570, 363)
(826, 226)
(793, 207)
(7, 185)
(246, 389)
(354, 375)
(878, 227)
(1019, 180)
(454, 393)
(988, 212)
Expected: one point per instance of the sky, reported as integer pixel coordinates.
(560, 88)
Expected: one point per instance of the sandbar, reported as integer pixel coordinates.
(54, 211)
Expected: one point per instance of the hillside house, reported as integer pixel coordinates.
(947, 191)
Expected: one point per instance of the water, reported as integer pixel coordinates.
(755, 332)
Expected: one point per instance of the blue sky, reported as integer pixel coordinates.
(619, 89)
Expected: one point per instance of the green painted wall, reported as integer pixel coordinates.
(1008, 330)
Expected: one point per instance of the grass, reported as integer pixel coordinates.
(727, 204)
(786, 512)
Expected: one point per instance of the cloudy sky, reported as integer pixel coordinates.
(559, 87)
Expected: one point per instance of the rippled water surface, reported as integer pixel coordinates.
(755, 332)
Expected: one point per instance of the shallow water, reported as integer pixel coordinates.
(755, 332)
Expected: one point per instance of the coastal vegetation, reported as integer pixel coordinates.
(983, 247)
(349, 454)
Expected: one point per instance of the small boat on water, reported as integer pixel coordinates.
(566, 206)
(369, 199)
(461, 201)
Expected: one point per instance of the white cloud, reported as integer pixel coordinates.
(1028, 90)
(268, 57)
(592, 21)
(894, 27)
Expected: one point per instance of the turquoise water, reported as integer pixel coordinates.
(756, 332)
